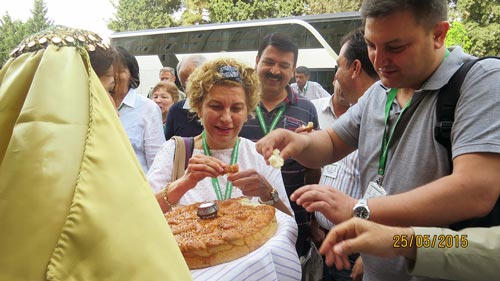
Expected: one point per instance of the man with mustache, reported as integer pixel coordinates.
(281, 107)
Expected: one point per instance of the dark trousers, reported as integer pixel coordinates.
(303, 240)
(333, 274)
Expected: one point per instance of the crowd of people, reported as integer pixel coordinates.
(370, 186)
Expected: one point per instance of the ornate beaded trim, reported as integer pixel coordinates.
(60, 36)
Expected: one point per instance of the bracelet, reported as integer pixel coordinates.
(165, 197)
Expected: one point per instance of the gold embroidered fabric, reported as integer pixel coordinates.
(60, 36)
(74, 201)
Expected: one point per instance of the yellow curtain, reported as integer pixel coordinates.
(74, 202)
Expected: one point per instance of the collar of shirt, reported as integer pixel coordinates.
(301, 91)
(292, 96)
(296, 88)
(129, 99)
(328, 107)
(186, 105)
(446, 69)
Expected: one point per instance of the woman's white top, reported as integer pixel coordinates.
(160, 173)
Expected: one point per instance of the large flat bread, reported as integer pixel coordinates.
(239, 228)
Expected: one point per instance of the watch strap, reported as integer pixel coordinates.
(361, 209)
(274, 198)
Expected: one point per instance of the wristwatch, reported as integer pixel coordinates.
(274, 198)
(361, 209)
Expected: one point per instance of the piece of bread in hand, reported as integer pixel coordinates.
(275, 160)
(231, 169)
(309, 127)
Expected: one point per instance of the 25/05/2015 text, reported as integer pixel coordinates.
(430, 241)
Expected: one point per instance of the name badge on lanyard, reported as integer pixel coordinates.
(374, 190)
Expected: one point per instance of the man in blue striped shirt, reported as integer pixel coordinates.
(355, 74)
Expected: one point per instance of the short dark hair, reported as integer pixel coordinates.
(425, 12)
(101, 59)
(126, 59)
(281, 42)
(358, 50)
(303, 69)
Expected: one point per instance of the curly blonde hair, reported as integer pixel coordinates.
(206, 76)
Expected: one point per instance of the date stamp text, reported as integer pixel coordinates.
(430, 241)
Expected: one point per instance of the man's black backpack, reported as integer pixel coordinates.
(445, 113)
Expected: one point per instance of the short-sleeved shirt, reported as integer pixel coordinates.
(312, 90)
(418, 158)
(298, 112)
(181, 122)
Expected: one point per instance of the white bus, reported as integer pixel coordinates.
(317, 37)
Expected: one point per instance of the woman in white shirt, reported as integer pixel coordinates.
(223, 93)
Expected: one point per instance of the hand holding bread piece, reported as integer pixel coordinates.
(275, 160)
(309, 127)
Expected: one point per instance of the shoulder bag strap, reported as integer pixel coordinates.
(189, 145)
(179, 158)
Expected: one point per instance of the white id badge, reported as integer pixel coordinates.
(331, 170)
(374, 190)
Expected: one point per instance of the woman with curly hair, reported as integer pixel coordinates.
(223, 93)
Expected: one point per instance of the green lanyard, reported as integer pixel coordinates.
(276, 119)
(234, 158)
(446, 54)
(387, 138)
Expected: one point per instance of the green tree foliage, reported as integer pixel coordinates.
(194, 11)
(191, 17)
(457, 36)
(238, 10)
(217, 11)
(332, 6)
(12, 31)
(481, 19)
(143, 14)
(38, 20)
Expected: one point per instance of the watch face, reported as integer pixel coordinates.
(361, 212)
(275, 196)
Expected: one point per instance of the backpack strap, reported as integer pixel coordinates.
(446, 104)
(445, 113)
(405, 119)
